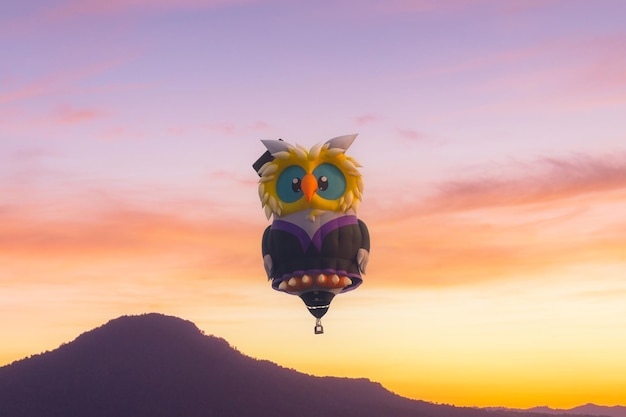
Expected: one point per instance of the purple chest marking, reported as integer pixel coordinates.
(320, 234)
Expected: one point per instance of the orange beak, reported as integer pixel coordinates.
(308, 186)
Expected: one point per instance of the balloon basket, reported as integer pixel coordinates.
(319, 329)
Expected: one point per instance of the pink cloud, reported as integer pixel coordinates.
(422, 6)
(58, 82)
(121, 133)
(479, 62)
(588, 74)
(410, 134)
(428, 7)
(516, 7)
(260, 126)
(23, 170)
(67, 115)
(366, 119)
(34, 89)
(222, 128)
(605, 66)
(177, 131)
(74, 9)
(232, 129)
(30, 154)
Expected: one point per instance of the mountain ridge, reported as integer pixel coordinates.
(585, 409)
(156, 365)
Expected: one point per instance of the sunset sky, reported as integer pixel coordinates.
(492, 136)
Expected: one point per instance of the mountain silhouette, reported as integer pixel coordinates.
(587, 409)
(154, 365)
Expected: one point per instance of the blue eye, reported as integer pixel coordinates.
(331, 184)
(288, 184)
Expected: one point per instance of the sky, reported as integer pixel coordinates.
(493, 142)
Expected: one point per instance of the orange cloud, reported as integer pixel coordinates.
(563, 213)
(64, 236)
(116, 232)
(79, 234)
(449, 249)
(547, 179)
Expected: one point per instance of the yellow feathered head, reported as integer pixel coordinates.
(322, 178)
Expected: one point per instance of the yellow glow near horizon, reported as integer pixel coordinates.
(517, 344)
(482, 346)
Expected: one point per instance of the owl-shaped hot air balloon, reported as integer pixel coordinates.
(316, 247)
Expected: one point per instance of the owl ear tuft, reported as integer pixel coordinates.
(275, 146)
(268, 156)
(341, 142)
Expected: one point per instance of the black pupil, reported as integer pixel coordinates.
(322, 183)
(295, 184)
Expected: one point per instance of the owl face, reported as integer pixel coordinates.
(323, 178)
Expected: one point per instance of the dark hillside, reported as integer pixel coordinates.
(154, 365)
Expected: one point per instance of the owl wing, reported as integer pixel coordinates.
(363, 254)
(268, 263)
(362, 257)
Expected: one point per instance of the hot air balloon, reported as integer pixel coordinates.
(315, 247)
